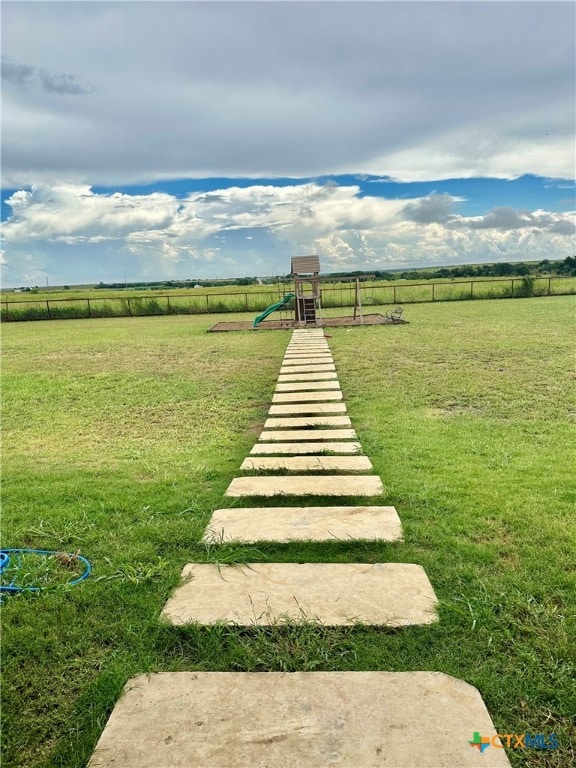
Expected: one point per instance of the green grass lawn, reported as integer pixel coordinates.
(93, 303)
(121, 435)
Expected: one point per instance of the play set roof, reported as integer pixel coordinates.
(305, 265)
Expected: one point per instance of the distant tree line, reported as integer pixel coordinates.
(167, 284)
(567, 267)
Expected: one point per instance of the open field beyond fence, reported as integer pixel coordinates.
(95, 303)
(120, 438)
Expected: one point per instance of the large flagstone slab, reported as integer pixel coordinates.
(306, 464)
(322, 376)
(283, 524)
(315, 368)
(306, 397)
(307, 435)
(332, 594)
(306, 408)
(302, 386)
(317, 448)
(306, 485)
(308, 421)
(297, 720)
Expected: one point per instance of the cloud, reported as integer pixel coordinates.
(403, 90)
(507, 218)
(19, 74)
(23, 75)
(438, 209)
(61, 84)
(434, 208)
(72, 234)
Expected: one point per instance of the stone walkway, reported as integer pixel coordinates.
(307, 449)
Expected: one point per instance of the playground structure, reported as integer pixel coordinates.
(305, 270)
(307, 296)
(306, 273)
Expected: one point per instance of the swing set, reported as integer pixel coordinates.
(354, 285)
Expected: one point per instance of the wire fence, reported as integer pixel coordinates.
(373, 294)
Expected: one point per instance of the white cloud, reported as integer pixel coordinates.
(60, 231)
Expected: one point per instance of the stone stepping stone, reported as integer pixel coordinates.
(294, 358)
(331, 594)
(297, 720)
(307, 464)
(328, 376)
(299, 347)
(306, 397)
(301, 386)
(307, 347)
(297, 360)
(303, 349)
(275, 449)
(307, 435)
(316, 368)
(306, 485)
(308, 421)
(304, 408)
(284, 524)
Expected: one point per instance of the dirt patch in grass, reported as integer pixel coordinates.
(327, 322)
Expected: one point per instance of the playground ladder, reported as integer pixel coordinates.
(309, 310)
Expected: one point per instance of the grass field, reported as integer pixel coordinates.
(95, 303)
(121, 436)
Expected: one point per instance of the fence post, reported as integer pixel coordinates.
(471, 289)
(129, 307)
(168, 304)
(48, 308)
(246, 301)
(207, 305)
(89, 310)
(394, 294)
(549, 287)
(433, 291)
(513, 281)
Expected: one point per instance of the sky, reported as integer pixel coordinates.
(185, 140)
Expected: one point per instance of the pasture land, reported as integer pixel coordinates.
(121, 436)
(97, 303)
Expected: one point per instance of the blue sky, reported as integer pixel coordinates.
(167, 140)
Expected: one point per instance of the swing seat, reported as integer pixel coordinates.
(395, 314)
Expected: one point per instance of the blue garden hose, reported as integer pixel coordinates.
(12, 587)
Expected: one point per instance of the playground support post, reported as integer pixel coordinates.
(358, 301)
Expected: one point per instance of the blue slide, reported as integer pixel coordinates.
(272, 308)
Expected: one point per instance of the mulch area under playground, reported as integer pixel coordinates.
(326, 322)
